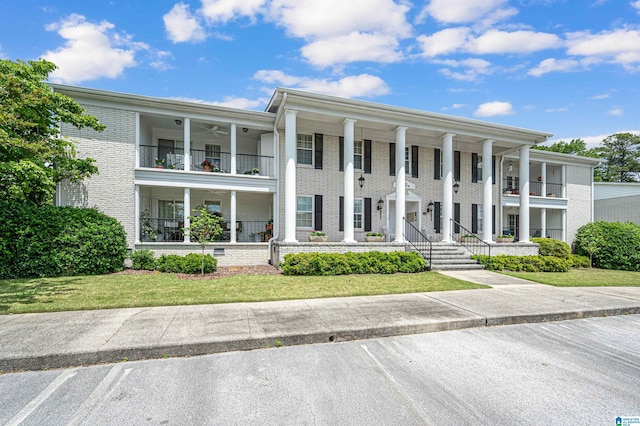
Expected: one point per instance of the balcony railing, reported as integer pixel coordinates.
(203, 161)
(172, 230)
(554, 233)
(510, 186)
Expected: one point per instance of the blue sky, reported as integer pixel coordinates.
(571, 68)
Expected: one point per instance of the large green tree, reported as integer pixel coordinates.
(33, 155)
(621, 155)
(575, 146)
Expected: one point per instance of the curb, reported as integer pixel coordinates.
(55, 361)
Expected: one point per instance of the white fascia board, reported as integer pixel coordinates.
(536, 202)
(162, 106)
(558, 158)
(197, 180)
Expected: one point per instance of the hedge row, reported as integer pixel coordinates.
(373, 262)
(552, 247)
(173, 263)
(44, 241)
(612, 245)
(532, 263)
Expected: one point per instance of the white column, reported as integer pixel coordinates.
(543, 223)
(187, 211)
(401, 133)
(487, 190)
(564, 225)
(447, 186)
(187, 144)
(233, 238)
(348, 180)
(136, 212)
(524, 194)
(137, 164)
(290, 176)
(233, 136)
(543, 177)
(563, 174)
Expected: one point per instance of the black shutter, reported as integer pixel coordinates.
(392, 159)
(474, 218)
(414, 160)
(493, 169)
(318, 150)
(456, 166)
(436, 216)
(436, 164)
(493, 219)
(367, 156)
(456, 217)
(341, 154)
(317, 213)
(474, 167)
(367, 214)
(341, 214)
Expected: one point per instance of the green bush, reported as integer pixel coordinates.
(524, 263)
(373, 262)
(42, 241)
(189, 264)
(612, 245)
(578, 261)
(143, 259)
(551, 247)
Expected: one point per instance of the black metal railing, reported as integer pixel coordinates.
(554, 233)
(554, 190)
(469, 240)
(173, 158)
(418, 241)
(510, 186)
(248, 231)
(172, 230)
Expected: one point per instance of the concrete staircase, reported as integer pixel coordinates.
(452, 257)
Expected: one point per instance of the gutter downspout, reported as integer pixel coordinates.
(276, 207)
(500, 193)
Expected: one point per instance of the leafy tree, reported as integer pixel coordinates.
(205, 228)
(621, 152)
(575, 146)
(33, 156)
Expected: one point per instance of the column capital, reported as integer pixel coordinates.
(488, 141)
(448, 135)
(401, 129)
(291, 112)
(349, 121)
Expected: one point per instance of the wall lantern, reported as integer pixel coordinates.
(380, 205)
(361, 180)
(456, 187)
(178, 122)
(430, 209)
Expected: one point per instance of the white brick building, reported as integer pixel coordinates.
(311, 161)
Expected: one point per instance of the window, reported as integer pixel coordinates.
(357, 155)
(357, 213)
(213, 206)
(305, 149)
(304, 212)
(479, 169)
(407, 160)
(479, 219)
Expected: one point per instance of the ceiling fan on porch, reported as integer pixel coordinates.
(214, 129)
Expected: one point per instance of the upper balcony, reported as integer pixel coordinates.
(511, 186)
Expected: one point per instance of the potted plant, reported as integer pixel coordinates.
(206, 166)
(504, 239)
(159, 235)
(467, 238)
(258, 237)
(160, 162)
(374, 237)
(269, 226)
(318, 237)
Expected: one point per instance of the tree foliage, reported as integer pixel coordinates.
(575, 147)
(621, 155)
(33, 156)
(205, 228)
(611, 245)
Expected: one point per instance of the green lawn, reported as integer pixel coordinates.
(124, 291)
(582, 278)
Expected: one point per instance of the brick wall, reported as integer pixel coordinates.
(579, 197)
(227, 255)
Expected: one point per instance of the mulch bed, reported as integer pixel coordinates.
(221, 272)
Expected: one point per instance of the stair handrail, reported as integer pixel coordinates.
(471, 241)
(418, 240)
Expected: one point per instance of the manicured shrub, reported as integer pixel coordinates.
(189, 264)
(612, 245)
(578, 261)
(373, 262)
(42, 241)
(143, 259)
(524, 263)
(551, 247)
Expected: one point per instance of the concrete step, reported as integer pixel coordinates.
(461, 260)
(455, 267)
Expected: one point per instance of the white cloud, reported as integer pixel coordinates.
(351, 48)
(223, 11)
(2, 55)
(446, 41)
(636, 5)
(495, 41)
(91, 50)
(561, 109)
(595, 140)
(615, 112)
(474, 67)
(229, 102)
(603, 96)
(363, 85)
(182, 26)
(490, 109)
(621, 46)
(463, 11)
(552, 64)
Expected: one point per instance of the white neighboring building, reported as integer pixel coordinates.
(617, 201)
(309, 162)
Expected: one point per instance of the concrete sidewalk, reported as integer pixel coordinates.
(64, 339)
